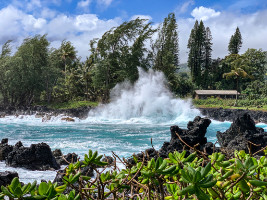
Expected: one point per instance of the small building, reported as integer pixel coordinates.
(224, 94)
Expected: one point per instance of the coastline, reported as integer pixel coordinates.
(221, 114)
(81, 112)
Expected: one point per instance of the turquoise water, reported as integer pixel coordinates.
(124, 139)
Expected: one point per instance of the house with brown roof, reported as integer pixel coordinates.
(224, 94)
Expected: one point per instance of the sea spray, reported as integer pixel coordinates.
(148, 100)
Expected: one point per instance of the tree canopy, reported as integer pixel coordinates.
(235, 42)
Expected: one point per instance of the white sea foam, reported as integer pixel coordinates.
(34, 120)
(28, 176)
(146, 101)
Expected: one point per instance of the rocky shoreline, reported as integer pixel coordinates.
(242, 135)
(221, 114)
(45, 112)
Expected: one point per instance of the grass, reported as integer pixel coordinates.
(69, 105)
(256, 104)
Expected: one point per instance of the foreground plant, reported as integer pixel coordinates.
(176, 177)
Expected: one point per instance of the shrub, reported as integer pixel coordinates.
(177, 177)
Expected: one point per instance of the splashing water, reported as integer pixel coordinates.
(147, 101)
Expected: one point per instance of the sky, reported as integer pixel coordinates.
(82, 20)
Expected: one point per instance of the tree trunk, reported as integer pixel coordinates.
(236, 98)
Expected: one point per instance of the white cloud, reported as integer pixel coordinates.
(202, 13)
(48, 13)
(18, 24)
(105, 3)
(149, 18)
(181, 9)
(80, 29)
(33, 4)
(83, 4)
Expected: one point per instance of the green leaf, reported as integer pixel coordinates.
(197, 177)
(189, 189)
(6, 192)
(185, 176)
(25, 188)
(75, 178)
(206, 170)
(163, 165)
(18, 192)
(61, 188)
(32, 186)
(257, 183)
(43, 188)
(14, 184)
(191, 157)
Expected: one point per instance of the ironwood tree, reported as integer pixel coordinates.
(199, 56)
(235, 42)
(119, 53)
(166, 50)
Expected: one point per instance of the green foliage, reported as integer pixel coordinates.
(235, 42)
(118, 54)
(253, 104)
(256, 90)
(256, 60)
(24, 72)
(176, 177)
(69, 104)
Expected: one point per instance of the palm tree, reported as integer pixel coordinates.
(238, 71)
(67, 52)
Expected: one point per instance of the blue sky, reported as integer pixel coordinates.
(82, 20)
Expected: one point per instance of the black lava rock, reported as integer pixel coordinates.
(36, 157)
(6, 177)
(194, 135)
(241, 133)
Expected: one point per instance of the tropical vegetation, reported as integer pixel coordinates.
(180, 176)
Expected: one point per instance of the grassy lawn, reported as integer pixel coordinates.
(259, 104)
(69, 105)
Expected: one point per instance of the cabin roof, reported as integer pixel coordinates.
(216, 92)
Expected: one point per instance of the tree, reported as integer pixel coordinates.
(235, 42)
(67, 53)
(208, 60)
(29, 64)
(256, 62)
(237, 72)
(166, 49)
(5, 74)
(119, 53)
(199, 56)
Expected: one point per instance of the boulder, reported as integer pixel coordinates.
(241, 132)
(36, 157)
(6, 177)
(193, 135)
(109, 160)
(5, 149)
(68, 119)
(4, 141)
(65, 159)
